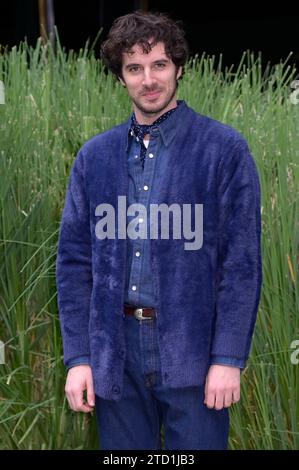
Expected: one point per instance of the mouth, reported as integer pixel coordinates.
(152, 94)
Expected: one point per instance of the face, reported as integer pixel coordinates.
(151, 82)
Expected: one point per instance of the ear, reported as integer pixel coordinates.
(121, 81)
(179, 72)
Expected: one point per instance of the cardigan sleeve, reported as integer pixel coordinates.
(78, 361)
(239, 274)
(227, 361)
(73, 266)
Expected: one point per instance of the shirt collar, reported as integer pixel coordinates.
(167, 128)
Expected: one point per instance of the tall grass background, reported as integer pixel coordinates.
(54, 103)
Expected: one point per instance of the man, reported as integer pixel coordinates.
(156, 329)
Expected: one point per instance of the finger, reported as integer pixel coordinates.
(210, 399)
(219, 400)
(69, 395)
(78, 399)
(85, 408)
(79, 403)
(236, 396)
(206, 389)
(228, 399)
(70, 400)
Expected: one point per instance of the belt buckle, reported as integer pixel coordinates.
(138, 314)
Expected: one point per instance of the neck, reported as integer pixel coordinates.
(148, 118)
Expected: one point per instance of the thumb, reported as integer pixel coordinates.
(90, 392)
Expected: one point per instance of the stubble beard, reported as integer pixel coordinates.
(161, 107)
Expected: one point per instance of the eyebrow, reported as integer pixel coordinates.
(132, 64)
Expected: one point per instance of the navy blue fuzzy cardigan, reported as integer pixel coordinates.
(208, 298)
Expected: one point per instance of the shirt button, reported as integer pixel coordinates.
(134, 287)
(137, 253)
(140, 220)
(136, 156)
(145, 187)
(151, 155)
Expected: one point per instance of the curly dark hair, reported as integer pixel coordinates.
(138, 28)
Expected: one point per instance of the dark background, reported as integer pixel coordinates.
(214, 30)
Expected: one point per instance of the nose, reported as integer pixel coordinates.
(148, 79)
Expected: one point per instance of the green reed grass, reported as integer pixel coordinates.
(54, 103)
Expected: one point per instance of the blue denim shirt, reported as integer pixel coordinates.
(143, 185)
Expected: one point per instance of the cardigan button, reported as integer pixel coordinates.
(116, 389)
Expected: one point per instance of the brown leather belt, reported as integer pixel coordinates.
(141, 313)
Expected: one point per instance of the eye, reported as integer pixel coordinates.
(134, 68)
(160, 65)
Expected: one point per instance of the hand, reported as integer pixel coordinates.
(79, 379)
(222, 386)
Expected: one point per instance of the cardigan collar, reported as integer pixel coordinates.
(167, 128)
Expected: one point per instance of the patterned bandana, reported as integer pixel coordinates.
(140, 130)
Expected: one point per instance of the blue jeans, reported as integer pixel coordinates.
(134, 422)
